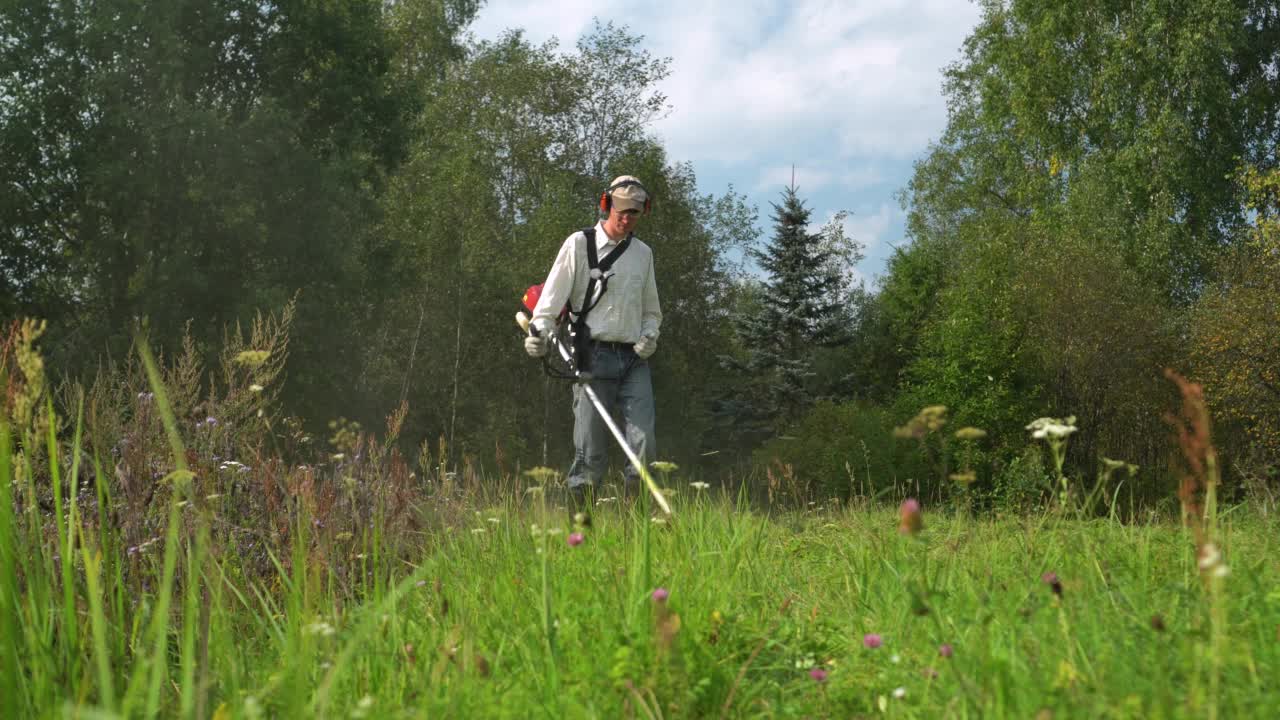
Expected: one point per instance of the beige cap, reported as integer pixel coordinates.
(628, 193)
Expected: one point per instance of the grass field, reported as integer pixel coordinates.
(186, 583)
(719, 611)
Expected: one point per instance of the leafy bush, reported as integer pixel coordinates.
(843, 450)
(1235, 337)
(1023, 483)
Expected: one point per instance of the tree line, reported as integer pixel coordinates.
(1100, 205)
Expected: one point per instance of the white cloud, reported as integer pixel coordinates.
(808, 179)
(815, 174)
(859, 77)
(871, 227)
(856, 78)
(848, 91)
(564, 19)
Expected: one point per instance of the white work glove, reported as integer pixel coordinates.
(646, 346)
(535, 345)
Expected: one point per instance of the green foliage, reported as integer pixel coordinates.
(1235, 330)
(512, 153)
(1071, 212)
(187, 164)
(195, 160)
(1023, 484)
(338, 623)
(800, 308)
(844, 450)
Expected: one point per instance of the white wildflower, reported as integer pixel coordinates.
(362, 708)
(323, 629)
(1210, 556)
(1047, 428)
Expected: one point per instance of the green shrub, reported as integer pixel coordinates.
(1023, 483)
(843, 450)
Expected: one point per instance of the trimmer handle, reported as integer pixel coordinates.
(523, 321)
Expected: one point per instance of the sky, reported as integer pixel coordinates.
(849, 92)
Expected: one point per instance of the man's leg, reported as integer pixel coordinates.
(635, 398)
(590, 436)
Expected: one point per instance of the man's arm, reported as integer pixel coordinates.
(650, 309)
(558, 287)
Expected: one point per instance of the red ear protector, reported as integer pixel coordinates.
(606, 197)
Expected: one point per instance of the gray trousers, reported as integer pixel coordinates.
(624, 386)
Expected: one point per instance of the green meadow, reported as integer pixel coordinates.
(351, 587)
(977, 416)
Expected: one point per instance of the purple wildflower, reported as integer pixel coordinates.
(1051, 579)
(945, 650)
(910, 520)
(818, 674)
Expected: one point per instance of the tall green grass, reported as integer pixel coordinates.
(489, 616)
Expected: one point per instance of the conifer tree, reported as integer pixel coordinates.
(799, 308)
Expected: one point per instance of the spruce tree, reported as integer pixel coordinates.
(797, 310)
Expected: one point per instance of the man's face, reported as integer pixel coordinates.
(621, 222)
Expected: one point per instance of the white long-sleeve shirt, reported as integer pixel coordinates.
(627, 310)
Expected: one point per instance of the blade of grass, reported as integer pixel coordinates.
(109, 546)
(180, 479)
(9, 630)
(65, 550)
(98, 625)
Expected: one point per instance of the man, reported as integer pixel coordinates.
(623, 329)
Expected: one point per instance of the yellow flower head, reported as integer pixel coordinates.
(252, 358)
(541, 474)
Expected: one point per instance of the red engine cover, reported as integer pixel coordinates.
(530, 301)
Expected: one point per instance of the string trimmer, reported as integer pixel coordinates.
(566, 366)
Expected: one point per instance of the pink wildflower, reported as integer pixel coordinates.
(661, 594)
(945, 650)
(818, 674)
(910, 520)
(575, 539)
(1051, 579)
(872, 640)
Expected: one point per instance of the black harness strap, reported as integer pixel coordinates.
(595, 263)
(599, 276)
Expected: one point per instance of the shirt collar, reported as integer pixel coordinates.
(602, 238)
